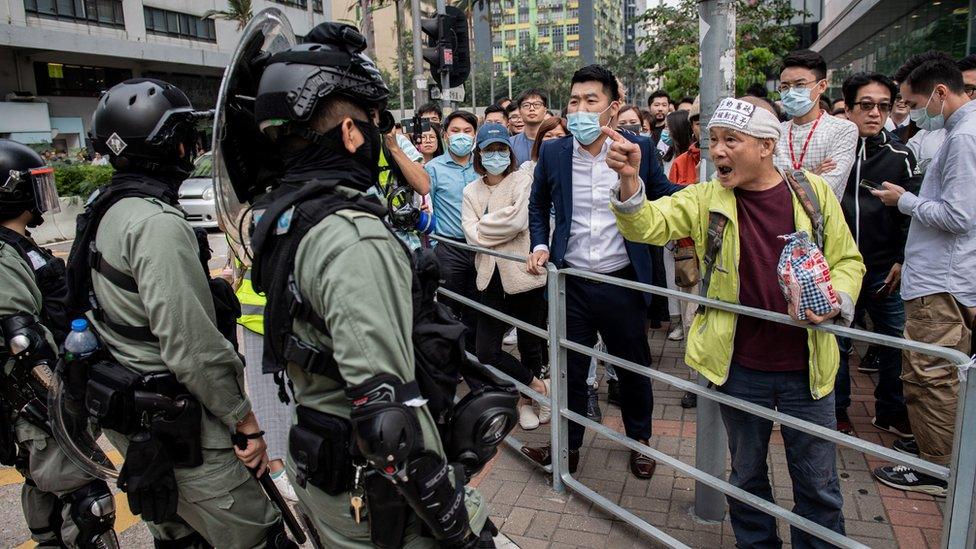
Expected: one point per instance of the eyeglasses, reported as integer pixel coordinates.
(970, 90)
(787, 86)
(868, 106)
(532, 104)
(426, 139)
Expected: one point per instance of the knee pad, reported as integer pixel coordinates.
(93, 512)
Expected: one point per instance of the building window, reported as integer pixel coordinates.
(181, 25)
(572, 45)
(76, 81)
(572, 14)
(544, 31)
(523, 37)
(572, 29)
(100, 12)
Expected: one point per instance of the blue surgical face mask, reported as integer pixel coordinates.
(666, 137)
(461, 144)
(926, 121)
(496, 162)
(797, 102)
(585, 126)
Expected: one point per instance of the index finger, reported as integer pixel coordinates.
(613, 134)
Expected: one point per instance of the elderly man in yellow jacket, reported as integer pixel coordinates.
(774, 365)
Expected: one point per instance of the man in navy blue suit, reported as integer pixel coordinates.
(573, 178)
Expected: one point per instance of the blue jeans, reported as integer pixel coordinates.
(812, 461)
(888, 317)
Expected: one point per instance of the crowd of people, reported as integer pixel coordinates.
(610, 187)
(879, 178)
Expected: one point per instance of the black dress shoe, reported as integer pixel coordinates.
(642, 466)
(543, 456)
(613, 392)
(689, 400)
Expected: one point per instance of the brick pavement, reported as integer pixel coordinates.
(527, 510)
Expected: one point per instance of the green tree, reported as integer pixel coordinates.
(629, 69)
(763, 36)
(237, 10)
(533, 67)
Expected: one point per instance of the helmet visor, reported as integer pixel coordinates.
(45, 190)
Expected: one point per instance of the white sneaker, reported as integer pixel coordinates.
(511, 338)
(284, 486)
(677, 334)
(527, 418)
(545, 411)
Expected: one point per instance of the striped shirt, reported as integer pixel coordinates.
(832, 138)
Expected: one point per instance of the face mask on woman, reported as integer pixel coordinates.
(496, 162)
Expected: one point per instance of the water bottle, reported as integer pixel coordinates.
(81, 341)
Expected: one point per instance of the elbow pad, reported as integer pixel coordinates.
(25, 339)
(385, 428)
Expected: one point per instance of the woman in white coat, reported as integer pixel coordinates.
(495, 215)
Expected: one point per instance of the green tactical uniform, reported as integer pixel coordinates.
(152, 242)
(357, 277)
(49, 474)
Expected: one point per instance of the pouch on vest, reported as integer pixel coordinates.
(109, 397)
(320, 448)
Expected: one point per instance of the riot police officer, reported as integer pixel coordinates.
(63, 505)
(170, 393)
(365, 453)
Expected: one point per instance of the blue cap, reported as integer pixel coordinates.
(492, 133)
(79, 325)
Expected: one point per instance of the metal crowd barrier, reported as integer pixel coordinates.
(959, 521)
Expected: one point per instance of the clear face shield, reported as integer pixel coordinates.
(42, 185)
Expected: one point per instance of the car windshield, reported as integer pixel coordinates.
(203, 167)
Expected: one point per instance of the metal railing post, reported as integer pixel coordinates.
(717, 46)
(559, 427)
(959, 530)
(711, 448)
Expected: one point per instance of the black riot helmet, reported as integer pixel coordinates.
(330, 62)
(141, 124)
(26, 183)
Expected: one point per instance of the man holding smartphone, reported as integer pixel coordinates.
(880, 232)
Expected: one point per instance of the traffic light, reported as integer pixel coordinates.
(447, 48)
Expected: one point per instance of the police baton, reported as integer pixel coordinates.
(240, 440)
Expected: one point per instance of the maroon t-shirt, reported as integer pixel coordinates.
(760, 344)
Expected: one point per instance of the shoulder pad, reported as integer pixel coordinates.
(367, 225)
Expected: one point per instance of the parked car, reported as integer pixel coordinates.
(197, 194)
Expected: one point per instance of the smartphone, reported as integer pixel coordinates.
(407, 124)
(870, 185)
(884, 291)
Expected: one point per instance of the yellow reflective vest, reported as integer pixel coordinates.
(252, 305)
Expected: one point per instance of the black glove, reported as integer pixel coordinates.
(148, 479)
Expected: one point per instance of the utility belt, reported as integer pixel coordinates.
(321, 449)
(127, 402)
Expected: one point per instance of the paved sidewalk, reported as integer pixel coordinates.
(525, 508)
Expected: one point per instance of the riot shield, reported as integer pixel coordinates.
(77, 434)
(242, 165)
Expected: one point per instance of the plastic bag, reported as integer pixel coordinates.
(804, 277)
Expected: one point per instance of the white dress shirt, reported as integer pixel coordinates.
(834, 138)
(595, 244)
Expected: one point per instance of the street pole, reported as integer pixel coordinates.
(491, 56)
(400, 61)
(474, 61)
(445, 77)
(510, 79)
(716, 28)
(419, 82)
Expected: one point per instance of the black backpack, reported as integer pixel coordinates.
(84, 258)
